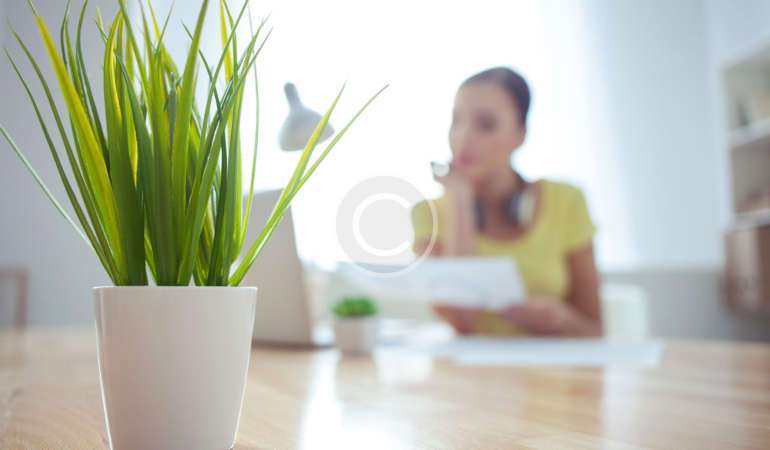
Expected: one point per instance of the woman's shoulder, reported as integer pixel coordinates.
(561, 188)
(568, 213)
(561, 194)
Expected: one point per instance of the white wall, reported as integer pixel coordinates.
(638, 127)
(735, 25)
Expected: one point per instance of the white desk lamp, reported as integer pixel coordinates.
(300, 123)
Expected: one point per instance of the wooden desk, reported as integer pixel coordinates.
(703, 396)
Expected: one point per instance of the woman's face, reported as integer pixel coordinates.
(486, 128)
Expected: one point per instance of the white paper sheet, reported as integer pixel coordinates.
(481, 351)
(490, 283)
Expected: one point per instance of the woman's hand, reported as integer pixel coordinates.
(544, 317)
(463, 320)
(453, 180)
(550, 318)
(540, 317)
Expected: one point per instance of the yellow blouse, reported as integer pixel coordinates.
(562, 224)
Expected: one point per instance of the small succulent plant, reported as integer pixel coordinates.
(354, 307)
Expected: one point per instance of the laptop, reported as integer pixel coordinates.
(284, 314)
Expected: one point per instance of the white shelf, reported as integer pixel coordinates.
(751, 136)
(746, 83)
(752, 218)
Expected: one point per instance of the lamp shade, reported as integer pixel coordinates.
(300, 123)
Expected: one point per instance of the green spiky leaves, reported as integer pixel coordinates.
(154, 182)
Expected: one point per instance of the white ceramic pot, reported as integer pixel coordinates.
(356, 335)
(173, 364)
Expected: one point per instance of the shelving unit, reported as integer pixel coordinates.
(750, 136)
(746, 81)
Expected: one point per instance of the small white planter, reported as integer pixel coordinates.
(173, 364)
(356, 336)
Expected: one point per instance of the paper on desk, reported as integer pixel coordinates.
(481, 351)
(490, 283)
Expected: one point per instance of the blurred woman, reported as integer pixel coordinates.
(489, 209)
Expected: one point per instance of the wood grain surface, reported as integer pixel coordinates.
(704, 395)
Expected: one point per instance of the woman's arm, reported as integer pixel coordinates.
(459, 222)
(584, 292)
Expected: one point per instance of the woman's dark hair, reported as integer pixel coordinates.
(513, 83)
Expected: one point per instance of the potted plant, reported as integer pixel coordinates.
(154, 178)
(356, 327)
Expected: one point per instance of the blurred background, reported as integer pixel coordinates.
(658, 110)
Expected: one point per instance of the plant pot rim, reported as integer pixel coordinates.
(355, 319)
(169, 288)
